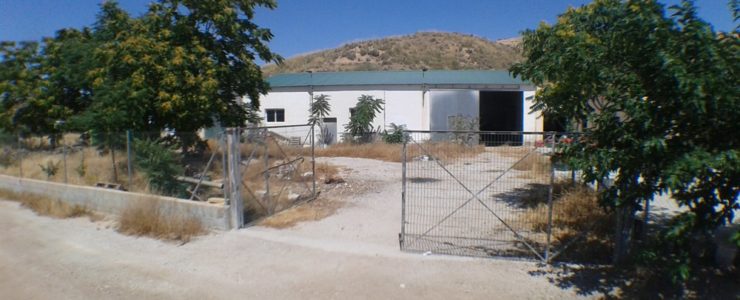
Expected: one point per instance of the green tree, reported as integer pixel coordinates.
(181, 65)
(67, 59)
(24, 108)
(361, 122)
(657, 97)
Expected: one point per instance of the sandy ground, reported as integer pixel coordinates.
(352, 254)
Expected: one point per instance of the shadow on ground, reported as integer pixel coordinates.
(608, 282)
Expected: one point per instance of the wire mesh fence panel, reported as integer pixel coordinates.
(157, 162)
(277, 169)
(497, 194)
(476, 194)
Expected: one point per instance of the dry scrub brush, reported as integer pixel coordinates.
(393, 152)
(575, 214)
(150, 217)
(46, 206)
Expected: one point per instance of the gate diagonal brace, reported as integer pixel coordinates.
(475, 197)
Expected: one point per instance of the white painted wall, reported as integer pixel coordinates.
(532, 121)
(405, 108)
(413, 108)
(401, 108)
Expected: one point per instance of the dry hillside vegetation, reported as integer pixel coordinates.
(430, 50)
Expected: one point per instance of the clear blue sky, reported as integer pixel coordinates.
(302, 26)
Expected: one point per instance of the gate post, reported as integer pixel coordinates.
(549, 197)
(313, 160)
(236, 205)
(266, 174)
(402, 235)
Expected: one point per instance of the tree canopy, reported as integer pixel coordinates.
(182, 66)
(657, 98)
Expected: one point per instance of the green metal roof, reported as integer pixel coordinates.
(319, 79)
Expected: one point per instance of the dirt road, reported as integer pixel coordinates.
(341, 257)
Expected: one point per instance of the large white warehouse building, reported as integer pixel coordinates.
(420, 100)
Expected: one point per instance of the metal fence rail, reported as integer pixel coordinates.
(478, 193)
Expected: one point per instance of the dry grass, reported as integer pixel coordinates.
(536, 167)
(149, 217)
(576, 214)
(393, 152)
(85, 167)
(311, 211)
(46, 206)
(379, 151)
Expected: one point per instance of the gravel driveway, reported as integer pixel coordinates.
(352, 254)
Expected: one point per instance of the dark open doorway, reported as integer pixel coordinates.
(552, 123)
(502, 111)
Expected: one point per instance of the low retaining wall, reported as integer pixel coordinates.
(114, 202)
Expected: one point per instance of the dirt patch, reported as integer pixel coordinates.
(311, 211)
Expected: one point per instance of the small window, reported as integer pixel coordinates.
(275, 115)
(352, 112)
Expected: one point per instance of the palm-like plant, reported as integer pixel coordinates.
(360, 124)
(319, 110)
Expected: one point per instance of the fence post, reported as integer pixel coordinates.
(549, 197)
(128, 159)
(224, 165)
(20, 156)
(64, 158)
(402, 236)
(270, 206)
(236, 206)
(313, 160)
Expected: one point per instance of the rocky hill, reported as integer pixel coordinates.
(430, 50)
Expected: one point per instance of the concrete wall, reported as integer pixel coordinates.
(114, 202)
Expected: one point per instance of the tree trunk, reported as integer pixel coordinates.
(623, 233)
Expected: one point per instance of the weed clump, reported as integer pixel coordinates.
(149, 217)
(46, 206)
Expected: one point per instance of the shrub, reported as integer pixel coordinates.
(161, 167)
(50, 168)
(396, 135)
(8, 157)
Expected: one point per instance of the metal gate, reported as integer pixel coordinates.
(480, 194)
(277, 169)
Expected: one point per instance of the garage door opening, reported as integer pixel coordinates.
(502, 111)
